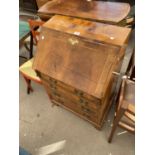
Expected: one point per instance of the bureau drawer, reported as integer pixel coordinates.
(83, 111)
(73, 105)
(80, 101)
(82, 96)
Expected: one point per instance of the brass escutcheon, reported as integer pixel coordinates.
(73, 41)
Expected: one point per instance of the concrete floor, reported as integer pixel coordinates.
(41, 125)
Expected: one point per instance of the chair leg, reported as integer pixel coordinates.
(26, 46)
(29, 88)
(115, 123)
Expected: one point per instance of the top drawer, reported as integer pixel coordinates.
(77, 95)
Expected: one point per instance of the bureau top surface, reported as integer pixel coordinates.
(84, 61)
(110, 12)
(91, 30)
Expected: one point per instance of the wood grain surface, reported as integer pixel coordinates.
(75, 59)
(94, 31)
(109, 12)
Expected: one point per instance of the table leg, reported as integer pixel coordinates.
(31, 46)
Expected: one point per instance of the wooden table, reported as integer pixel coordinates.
(24, 32)
(107, 12)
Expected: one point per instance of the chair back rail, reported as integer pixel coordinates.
(34, 25)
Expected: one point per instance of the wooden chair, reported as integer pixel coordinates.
(131, 67)
(26, 68)
(125, 109)
(130, 20)
(26, 42)
(34, 25)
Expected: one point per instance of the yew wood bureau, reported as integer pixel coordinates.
(75, 59)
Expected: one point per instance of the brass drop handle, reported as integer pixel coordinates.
(55, 93)
(78, 93)
(73, 41)
(53, 86)
(87, 111)
(83, 102)
(53, 81)
(86, 115)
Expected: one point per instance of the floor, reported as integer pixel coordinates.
(42, 125)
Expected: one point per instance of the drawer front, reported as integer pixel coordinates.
(79, 100)
(72, 104)
(83, 111)
(77, 95)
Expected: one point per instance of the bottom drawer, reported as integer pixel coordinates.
(81, 111)
(73, 106)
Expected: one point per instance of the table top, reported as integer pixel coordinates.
(24, 30)
(108, 12)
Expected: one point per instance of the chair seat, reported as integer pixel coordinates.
(27, 71)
